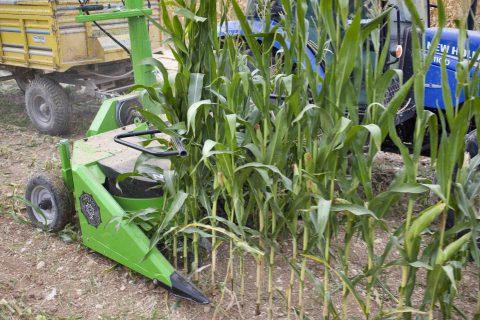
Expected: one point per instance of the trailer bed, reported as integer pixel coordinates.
(42, 34)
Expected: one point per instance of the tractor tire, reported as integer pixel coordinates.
(49, 202)
(48, 106)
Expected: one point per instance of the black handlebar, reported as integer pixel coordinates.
(180, 149)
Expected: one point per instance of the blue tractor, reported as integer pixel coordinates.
(400, 48)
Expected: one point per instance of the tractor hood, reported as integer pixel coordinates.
(449, 45)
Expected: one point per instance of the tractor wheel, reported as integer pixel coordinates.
(50, 205)
(48, 106)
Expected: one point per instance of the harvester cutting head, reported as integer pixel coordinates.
(91, 173)
(91, 181)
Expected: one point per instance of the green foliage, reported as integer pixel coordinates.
(271, 157)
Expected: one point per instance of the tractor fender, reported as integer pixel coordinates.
(234, 28)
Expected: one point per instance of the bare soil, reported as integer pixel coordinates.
(45, 276)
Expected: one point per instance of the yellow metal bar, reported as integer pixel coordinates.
(26, 49)
(54, 31)
(89, 38)
(1, 48)
(32, 10)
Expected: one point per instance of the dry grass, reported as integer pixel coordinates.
(457, 10)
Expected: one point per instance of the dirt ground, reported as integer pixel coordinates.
(45, 276)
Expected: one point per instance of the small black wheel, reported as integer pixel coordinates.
(127, 112)
(48, 106)
(51, 205)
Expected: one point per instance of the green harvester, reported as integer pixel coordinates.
(90, 183)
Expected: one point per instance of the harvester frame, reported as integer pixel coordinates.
(90, 183)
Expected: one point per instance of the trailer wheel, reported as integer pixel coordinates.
(50, 202)
(48, 106)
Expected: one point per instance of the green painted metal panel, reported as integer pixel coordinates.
(84, 153)
(64, 151)
(130, 204)
(101, 146)
(117, 240)
(120, 14)
(105, 119)
(140, 46)
(97, 173)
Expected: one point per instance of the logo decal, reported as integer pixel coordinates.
(90, 209)
(39, 39)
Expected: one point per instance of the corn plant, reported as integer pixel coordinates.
(278, 152)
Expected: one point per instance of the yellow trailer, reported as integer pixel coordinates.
(42, 45)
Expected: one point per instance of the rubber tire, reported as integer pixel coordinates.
(62, 197)
(57, 99)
